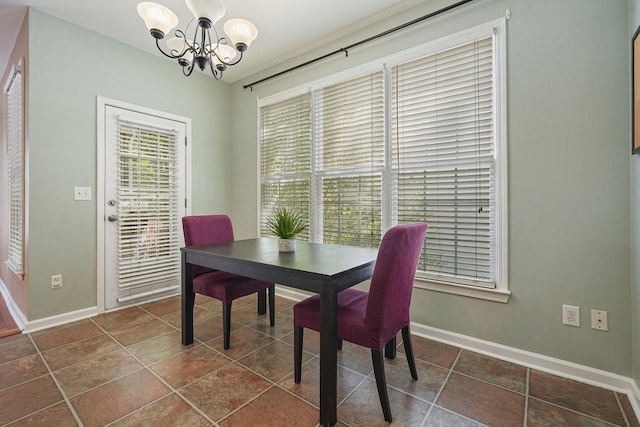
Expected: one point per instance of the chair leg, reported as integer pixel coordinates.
(298, 334)
(390, 349)
(378, 369)
(339, 344)
(408, 350)
(226, 324)
(272, 305)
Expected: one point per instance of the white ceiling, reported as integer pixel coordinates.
(286, 28)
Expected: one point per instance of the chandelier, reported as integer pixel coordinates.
(206, 48)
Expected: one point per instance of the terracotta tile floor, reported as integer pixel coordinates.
(128, 368)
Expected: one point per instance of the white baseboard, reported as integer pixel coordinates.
(61, 319)
(15, 312)
(562, 368)
(36, 325)
(634, 398)
(289, 293)
(584, 374)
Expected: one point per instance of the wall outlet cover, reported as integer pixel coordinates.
(56, 281)
(571, 315)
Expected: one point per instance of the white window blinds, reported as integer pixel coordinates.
(285, 158)
(419, 138)
(350, 160)
(15, 166)
(148, 214)
(443, 157)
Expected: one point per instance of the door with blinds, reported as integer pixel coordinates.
(144, 202)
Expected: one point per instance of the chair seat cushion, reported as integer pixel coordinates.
(352, 305)
(227, 286)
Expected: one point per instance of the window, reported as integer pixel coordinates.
(285, 158)
(442, 157)
(350, 161)
(15, 169)
(416, 137)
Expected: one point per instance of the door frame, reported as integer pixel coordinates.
(101, 105)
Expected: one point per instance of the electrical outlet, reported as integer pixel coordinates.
(81, 193)
(56, 281)
(571, 315)
(599, 320)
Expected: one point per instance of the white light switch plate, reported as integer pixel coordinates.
(81, 193)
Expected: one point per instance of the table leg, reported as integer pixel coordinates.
(262, 301)
(328, 356)
(188, 299)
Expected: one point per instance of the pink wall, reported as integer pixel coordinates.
(18, 288)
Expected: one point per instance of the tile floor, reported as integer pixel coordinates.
(128, 368)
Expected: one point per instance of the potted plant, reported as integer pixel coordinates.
(286, 224)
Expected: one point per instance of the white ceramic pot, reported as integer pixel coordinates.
(286, 245)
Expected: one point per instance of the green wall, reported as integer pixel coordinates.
(70, 67)
(634, 22)
(569, 169)
(569, 173)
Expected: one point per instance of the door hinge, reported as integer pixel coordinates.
(185, 203)
(185, 141)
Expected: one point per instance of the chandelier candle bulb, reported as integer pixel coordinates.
(212, 10)
(158, 19)
(241, 32)
(210, 51)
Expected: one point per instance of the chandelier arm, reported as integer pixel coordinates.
(228, 64)
(213, 28)
(190, 68)
(217, 74)
(190, 44)
(169, 55)
(197, 48)
(220, 40)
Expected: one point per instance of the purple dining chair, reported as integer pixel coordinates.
(226, 287)
(373, 319)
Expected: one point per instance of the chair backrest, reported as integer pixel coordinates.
(392, 281)
(205, 230)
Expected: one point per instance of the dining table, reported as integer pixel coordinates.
(324, 269)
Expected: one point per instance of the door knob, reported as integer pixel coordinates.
(112, 218)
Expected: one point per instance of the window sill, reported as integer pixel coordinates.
(463, 290)
(14, 269)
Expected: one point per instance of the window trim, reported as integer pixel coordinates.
(102, 105)
(497, 29)
(16, 266)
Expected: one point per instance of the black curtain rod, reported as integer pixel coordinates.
(361, 42)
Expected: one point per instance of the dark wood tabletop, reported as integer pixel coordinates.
(321, 268)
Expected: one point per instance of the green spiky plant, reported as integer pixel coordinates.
(285, 223)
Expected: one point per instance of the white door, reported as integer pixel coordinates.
(144, 202)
